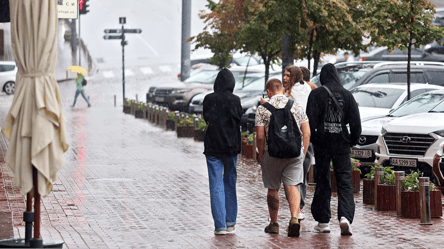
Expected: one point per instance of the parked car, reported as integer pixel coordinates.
(376, 99)
(435, 47)
(438, 20)
(349, 72)
(382, 54)
(371, 127)
(411, 142)
(253, 87)
(178, 95)
(8, 72)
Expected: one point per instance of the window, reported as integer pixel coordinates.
(379, 79)
(415, 93)
(6, 68)
(435, 77)
(422, 103)
(402, 77)
(376, 97)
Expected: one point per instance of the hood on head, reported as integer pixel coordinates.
(329, 75)
(224, 81)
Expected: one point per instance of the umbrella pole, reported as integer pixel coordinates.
(28, 218)
(36, 242)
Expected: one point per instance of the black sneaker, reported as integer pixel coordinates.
(294, 227)
(272, 228)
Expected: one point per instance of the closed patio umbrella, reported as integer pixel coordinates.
(35, 125)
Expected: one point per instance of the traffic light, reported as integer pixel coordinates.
(83, 6)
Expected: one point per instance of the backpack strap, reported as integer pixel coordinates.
(335, 100)
(289, 104)
(269, 107)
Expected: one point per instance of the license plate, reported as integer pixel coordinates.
(403, 162)
(159, 99)
(361, 153)
(198, 108)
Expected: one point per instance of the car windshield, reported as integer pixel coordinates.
(348, 78)
(439, 107)
(204, 77)
(243, 61)
(376, 97)
(422, 103)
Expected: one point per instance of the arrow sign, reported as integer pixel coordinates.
(112, 37)
(119, 31)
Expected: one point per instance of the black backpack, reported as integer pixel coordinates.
(284, 137)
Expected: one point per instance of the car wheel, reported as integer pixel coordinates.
(9, 87)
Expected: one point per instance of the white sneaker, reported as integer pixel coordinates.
(301, 215)
(220, 231)
(345, 226)
(322, 228)
(231, 229)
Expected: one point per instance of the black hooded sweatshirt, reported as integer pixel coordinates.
(223, 111)
(325, 118)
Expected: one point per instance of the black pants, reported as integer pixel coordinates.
(320, 207)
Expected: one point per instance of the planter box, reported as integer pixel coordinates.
(368, 196)
(410, 207)
(247, 149)
(170, 125)
(199, 135)
(386, 198)
(334, 185)
(356, 181)
(127, 109)
(185, 131)
(138, 113)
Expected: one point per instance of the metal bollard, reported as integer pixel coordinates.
(115, 100)
(378, 175)
(254, 145)
(399, 177)
(195, 123)
(176, 120)
(424, 199)
(137, 98)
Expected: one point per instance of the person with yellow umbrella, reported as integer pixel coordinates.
(80, 83)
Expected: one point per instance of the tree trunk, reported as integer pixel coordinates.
(316, 56)
(309, 49)
(267, 70)
(287, 52)
(408, 66)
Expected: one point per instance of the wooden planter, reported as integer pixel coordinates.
(386, 198)
(334, 185)
(410, 207)
(170, 125)
(185, 131)
(368, 196)
(247, 149)
(199, 135)
(356, 181)
(126, 109)
(138, 113)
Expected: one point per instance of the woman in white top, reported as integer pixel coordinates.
(296, 88)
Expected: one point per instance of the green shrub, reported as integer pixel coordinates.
(139, 105)
(172, 116)
(243, 134)
(411, 182)
(201, 124)
(186, 121)
(250, 139)
(128, 102)
(356, 164)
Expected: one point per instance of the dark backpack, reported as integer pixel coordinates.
(283, 142)
(84, 82)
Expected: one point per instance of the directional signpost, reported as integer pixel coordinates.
(121, 36)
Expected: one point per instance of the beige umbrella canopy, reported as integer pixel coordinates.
(35, 125)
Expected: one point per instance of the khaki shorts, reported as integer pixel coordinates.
(276, 170)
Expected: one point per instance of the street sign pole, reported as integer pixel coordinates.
(122, 31)
(80, 47)
(123, 63)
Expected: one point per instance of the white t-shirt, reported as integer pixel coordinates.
(299, 93)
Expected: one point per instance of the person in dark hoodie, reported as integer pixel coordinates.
(332, 142)
(222, 111)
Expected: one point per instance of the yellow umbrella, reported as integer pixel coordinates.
(78, 69)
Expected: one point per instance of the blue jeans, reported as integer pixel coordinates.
(77, 95)
(223, 176)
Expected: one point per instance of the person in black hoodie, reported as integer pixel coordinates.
(222, 111)
(332, 142)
